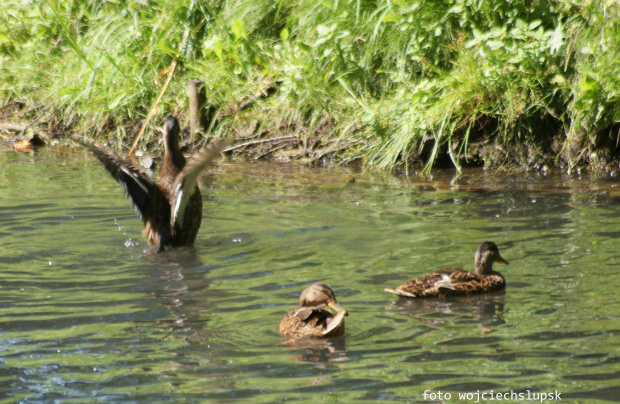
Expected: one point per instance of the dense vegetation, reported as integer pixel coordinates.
(518, 82)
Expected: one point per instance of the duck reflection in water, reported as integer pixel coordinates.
(173, 280)
(486, 309)
(324, 352)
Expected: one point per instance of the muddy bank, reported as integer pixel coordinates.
(21, 123)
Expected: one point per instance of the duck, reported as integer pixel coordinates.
(455, 282)
(312, 318)
(170, 209)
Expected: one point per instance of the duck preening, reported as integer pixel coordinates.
(171, 209)
(313, 318)
(454, 282)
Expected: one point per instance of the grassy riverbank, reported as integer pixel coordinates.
(388, 82)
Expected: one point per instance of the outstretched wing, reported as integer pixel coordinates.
(139, 186)
(185, 183)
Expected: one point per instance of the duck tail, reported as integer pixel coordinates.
(400, 292)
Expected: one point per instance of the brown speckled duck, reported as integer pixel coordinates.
(454, 282)
(312, 318)
(171, 209)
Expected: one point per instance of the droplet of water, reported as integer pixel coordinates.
(131, 243)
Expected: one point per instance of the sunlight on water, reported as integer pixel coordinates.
(90, 313)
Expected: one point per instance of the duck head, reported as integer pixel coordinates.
(486, 255)
(171, 134)
(318, 294)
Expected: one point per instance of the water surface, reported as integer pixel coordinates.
(90, 313)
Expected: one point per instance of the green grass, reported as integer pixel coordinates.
(385, 82)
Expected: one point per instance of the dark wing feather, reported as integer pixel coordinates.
(317, 322)
(303, 313)
(139, 186)
(185, 183)
(335, 325)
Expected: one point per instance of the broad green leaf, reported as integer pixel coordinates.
(284, 34)
(217, 48)
(498, 31)
(558, 79)
(389, 17)
(323, 30)
(471, 43)
(165, 47)
(320, 41)
(534, 24)
(557, 39)
(238, 29)
(493, 44)
(586, 84)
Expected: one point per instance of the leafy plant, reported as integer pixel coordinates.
(388, 82)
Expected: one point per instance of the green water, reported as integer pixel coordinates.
(89, 313)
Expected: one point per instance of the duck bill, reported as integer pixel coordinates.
(501, 261)
(338, 308)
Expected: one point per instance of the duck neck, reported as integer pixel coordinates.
(484, 266)
(173, 158)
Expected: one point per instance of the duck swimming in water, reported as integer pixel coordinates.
(454, 282)
(312, 318)
(171, 209)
